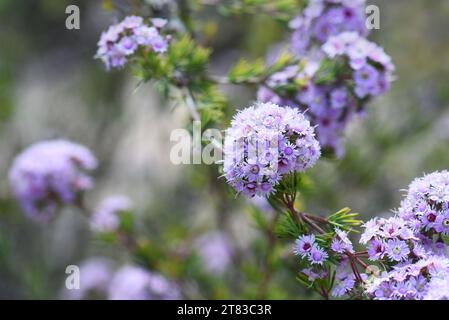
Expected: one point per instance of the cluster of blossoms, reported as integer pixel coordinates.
(266, 142)
(49, 174)
(315, 256)
(426, 206)
(371, 68)
(130, 282)
(330, 38)
(426, 279)
(122, 40)
(364, 72)
(412, 244)
(307, 248)
(322, 19)
(390, 240)
(106, 218)
(345, 279)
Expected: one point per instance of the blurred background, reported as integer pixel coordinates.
(51, 86)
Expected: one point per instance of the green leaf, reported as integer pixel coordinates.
(288, 228)
(329, 70)
(344, 219)
(285, 59)
(187, 57)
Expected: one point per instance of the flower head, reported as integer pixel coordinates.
(304, 245)
(323, 19)
(264, 143)
(317, 255)
(50, 173)
(442, 223)
(366, 72)
(344, 279)
(397, 250)
(376, 250)
(122, 40)
(426, 205)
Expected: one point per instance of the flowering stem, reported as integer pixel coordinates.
(314, 222)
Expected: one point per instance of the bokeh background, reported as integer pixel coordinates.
(50, 86)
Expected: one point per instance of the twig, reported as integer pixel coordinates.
(195, 115)
(191, 105)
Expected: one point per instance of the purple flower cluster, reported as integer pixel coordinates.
(371, 67)
(50, 173)
(390, 240)
(322, 19)
(428, 279)
(340, 249)
(365, 72)
(344, 279)
(122, 40)
(341, 243)
(412, 244)
(307, 248)
(426, 206)
(98, 280)
(106, 217)
(266, 142)
(409, 250)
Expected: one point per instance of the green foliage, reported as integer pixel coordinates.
(185, 56)
(285, 59)
(330, 69)
(288, 228)
(259, 218)
(282, 10)
(127, 222)
(210, 102)
(344, 219)
(184, 66)
(184, 63)
(257, 71)
(245, 71)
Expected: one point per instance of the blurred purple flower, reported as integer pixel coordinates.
(106, 217)
(51, 173)
(95, 274)
(135, 283)
(216, 251)
(122, 40)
